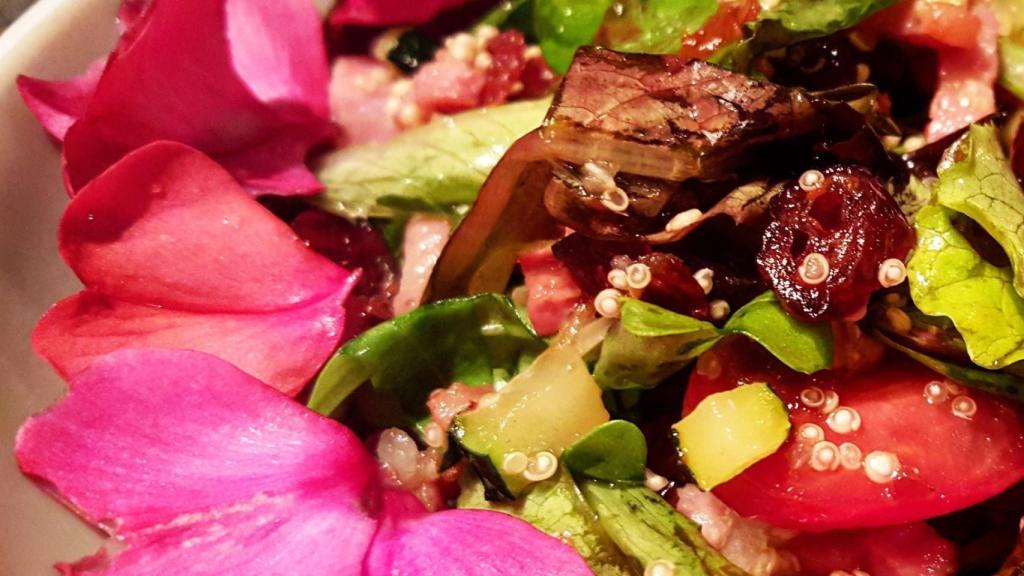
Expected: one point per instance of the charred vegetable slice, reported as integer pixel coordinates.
(517, 436)
(729, 431)
(665, 117)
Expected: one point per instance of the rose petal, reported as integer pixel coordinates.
(463, 542)
(57, 105)
(389, 12)
(174, 253)
(201, 469)
(245, 82)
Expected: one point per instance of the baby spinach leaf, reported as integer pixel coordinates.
(976, 179)
(438, 167)
(643, 319)
(655, 26)
(948, 278)
(652, 343)
(557, 507)
(615, 451)
(463, 339)
(793, 21)
(996, 382)
(802, 346)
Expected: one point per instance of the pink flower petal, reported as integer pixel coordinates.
(57, 105)
(463, 543)
(174, 253)
(245, 82)
(201, 469)
(389, 12)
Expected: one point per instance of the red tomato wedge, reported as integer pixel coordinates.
(944, 462)
(907, 550)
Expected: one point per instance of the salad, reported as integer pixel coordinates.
(542, 287)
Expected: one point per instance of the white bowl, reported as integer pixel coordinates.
(54, 39)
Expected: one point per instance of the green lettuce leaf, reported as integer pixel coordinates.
(1011, 66)
(794, 21)
(467, 340)
(997, 382)
(615, 451)
(646, 26)
(976, 180)
(556, 507)
(438, 167)
(655, 26)
(562, 26)
(652, 343)
(646, 527)
(948, 278)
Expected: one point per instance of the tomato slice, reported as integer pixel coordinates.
(907, 550)
(945, 462)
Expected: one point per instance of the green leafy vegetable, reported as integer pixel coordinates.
(562, 26)
(647, 528)
(996, 382)
(1011, 66)
(517, 14)
(793, 21)
(438, 167)
(914, 196)
(557, 507)
(948, 278)
(463, 339)
(975, 179)
(652, 343)
(614, 451)
(655, 26)
(802, 346)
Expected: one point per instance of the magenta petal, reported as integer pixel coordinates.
(173, 253)
(201, 469)
(389, 12)
(57, 105)
(463, 543)
(245, 82)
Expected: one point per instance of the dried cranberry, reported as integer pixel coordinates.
(1018, 155)
(589, 260)
(354, 245)
(673, 287)
(830, 232)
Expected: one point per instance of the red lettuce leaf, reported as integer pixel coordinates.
(197, 468)
(173, 253)
(245, 82)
